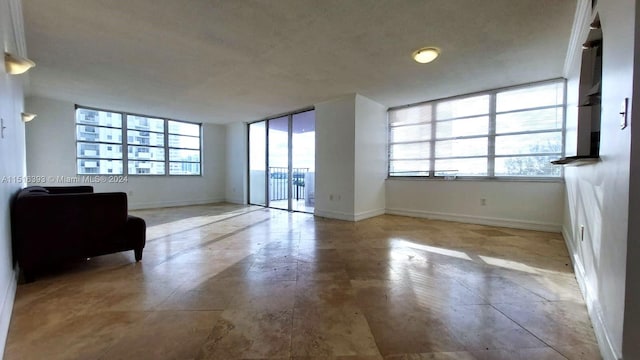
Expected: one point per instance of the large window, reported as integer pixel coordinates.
(153, 144)
(145, 141)
(99, 142)
(184, 148)
(503, 133)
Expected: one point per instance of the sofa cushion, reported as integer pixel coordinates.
(35, 190)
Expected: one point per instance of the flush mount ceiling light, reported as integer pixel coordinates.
(17, 65)
(26, 117)
(426, 55)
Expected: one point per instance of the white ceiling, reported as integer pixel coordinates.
(243, 60)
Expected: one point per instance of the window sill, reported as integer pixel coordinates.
(477, 179)
(577, 160)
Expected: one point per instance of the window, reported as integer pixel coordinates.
(184, 148)
(502, 133)
(152, 145)
(96, 133)
(146, 145)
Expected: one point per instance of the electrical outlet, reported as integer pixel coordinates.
(331, 197)
(130, 193)
(483, 202)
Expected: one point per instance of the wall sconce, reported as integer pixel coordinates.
(26, 117)
(15, 65)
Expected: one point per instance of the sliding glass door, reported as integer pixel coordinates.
(303, 153)
(279, 176)
(282, 162)
(257, 163)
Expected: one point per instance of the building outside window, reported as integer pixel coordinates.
(184, 148)
(99, 139)
(146, 145)
(153, 144)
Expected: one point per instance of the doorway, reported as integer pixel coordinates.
(282, 162)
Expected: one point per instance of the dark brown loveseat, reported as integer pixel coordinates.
(51, 225)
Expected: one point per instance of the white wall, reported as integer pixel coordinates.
(631, 330)
(370, 157)
(351, 158)
(50, 140)
(236, 171)
(524, 205)
(12, 154)
(335, 156)
(598, 194)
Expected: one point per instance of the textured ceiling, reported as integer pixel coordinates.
(243, 60)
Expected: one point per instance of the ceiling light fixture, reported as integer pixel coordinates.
(15, 65)
(26, 117)
(426, 55)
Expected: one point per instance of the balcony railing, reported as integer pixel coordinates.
(279, 183)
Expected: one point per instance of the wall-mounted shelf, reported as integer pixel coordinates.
(592, 96)
(595, 90)
(587, 129)
(576, 160)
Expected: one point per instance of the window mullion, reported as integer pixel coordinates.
(388, 145)
(432, 143)
(167, 163)
(125, 144)
(491, 143)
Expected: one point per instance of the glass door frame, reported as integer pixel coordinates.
(267, 200)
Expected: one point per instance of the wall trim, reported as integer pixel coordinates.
(338, 215)
(161, 204)
(7, 309)
(238, 201)
(607, 350)
(510, 223)
(368, 214)
(18, 37)
(582, 14)
(17, 26)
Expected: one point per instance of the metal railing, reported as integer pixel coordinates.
(279, 183)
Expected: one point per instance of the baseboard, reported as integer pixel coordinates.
(347, 216)
(7, 309)
(235, 201)
(510, 223)
(334, 215)
(368, 214)
(607, 350)
(160, 204)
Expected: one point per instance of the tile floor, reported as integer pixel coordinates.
(235, 282)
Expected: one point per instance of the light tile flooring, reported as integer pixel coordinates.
(233, 282)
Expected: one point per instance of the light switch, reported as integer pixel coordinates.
(623, 113)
